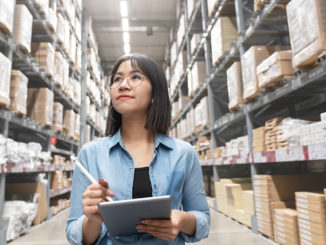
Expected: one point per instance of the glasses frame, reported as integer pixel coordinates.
(127, 77)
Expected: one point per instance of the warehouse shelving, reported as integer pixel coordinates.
(59, 192)
(303, 95)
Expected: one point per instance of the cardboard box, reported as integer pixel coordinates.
(31, 188)
(18, 92)
(61, 78)
(57, 116)
(7, 8)
(5, 70)
(23, 27)
(318, 228)
(43, 53)
(40, 105)
(202, 116)
(77, 126)
(195, 40)
(69, 122)
(235, 89)
(56, 180)
(223, 34)
(274, 69)
(307, 18)
(60, 28)
(198, 75)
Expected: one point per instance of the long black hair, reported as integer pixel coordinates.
(159, 115)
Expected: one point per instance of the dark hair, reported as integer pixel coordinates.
(159, 115)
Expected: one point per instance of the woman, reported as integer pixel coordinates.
(137, 159)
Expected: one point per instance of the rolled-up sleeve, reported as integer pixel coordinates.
(194, 198)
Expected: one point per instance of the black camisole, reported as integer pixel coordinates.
(142, 184)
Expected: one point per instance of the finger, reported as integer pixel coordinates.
(161, 235)
(92, 201)
(103, 182)
(155, 228)
(90, 210)
(97, 186)
(93, 194)
(157, 222)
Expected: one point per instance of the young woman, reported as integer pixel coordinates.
(138, 159)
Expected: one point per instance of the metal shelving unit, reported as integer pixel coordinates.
(303, 95)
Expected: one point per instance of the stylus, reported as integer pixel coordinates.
(87, 174)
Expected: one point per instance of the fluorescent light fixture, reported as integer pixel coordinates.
(125, 24)
(124, 9)
(126, 48)
(126, 37)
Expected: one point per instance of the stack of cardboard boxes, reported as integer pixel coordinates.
(235, 88)
(273, 135)
(44, 53)
(5, 70)
(286, 226)
(18, 92)
(258, 142)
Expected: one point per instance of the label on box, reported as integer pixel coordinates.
(279, 223)
(305, 242)
(301, 205)
(279, 218)
(317, 152)
(303, 226)
(292, 154)
(303, 221)
(303, 216)
(305, 236)
(305, 211)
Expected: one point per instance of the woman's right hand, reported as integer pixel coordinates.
(93, 195)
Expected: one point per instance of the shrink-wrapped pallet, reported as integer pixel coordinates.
(7, 8)
(18, 92)
(43, 53)
(40, 105)
(42, 6)
(195, 40)
(69, 123)
(198, 75)
(23, 27)
(57, 116)
(5, 69)
(307, 27)
(77, 127)
(202, 116)
(223, 34)
(235, 89)
(52, 20)
(60, 28)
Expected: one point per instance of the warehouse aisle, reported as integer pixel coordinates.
(224, 231)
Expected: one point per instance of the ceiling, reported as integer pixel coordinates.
(150, 22)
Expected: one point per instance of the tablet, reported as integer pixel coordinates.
(122, 217)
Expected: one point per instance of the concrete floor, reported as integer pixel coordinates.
(224, 231)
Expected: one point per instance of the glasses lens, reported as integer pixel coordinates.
(135, 79)
(115, 80)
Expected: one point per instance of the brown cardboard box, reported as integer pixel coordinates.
(5, 70)
(307, 18)
(235, 89)
(198, 75)
(57, 116)
(202, 116)
(274, 69)
(43, 53)
(18, 92)
(23, 27)
(30, 188)
(69, 122)
(312, 237)
(223, 34)
(258, 139)
(57, 180)
(77, 126)
(40, 105)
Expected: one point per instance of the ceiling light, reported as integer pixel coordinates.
(126, 48)
(124, 9)
(125, 24)
(126, 37)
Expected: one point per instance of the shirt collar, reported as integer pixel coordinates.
(159, 139)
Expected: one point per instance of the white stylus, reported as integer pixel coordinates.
(87, 174)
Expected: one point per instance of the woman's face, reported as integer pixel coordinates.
(128, 100)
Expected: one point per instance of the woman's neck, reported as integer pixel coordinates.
(133, 131)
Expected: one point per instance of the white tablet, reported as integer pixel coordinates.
(122, 217)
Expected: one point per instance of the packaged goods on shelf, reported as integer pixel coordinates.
(58, 205)
(173, 53)
(59, 63)
(175, 110)
(7, 8)
(56, 180)
(18, 92)
(248, 206)
(18, 216)
(60, 28)
(323, 116)
(87, 133)
(238, 146)
(88, 106)
(69, 123)
(203, 143)
(5, 70)
(78, 29)
(92, 109)
(60, 160)
(198, 75)
(286, 226)
(195, 40)
(209, 184)
(182, 102)
(66, 44)
(52, 20)
(38, 188)
(23, 27)
(214, 153)
(71, 10)
(278, 191)
(258, 142)
(57, 116)
(191, 122)
(314, 133)
(181, 65)
(307, 18)
(40, 105)
(273, 135)
(202, 117)
(44, 54)
(181, 31)
(274, 69)
(3, 150)
(191, 7)
(211, 7)
(235, 89)
(42, 6)
(72, 48)
(311, 217)
(69, 87)
(223, 34)
(77, 93)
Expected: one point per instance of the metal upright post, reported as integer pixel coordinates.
(187, 31)
(83, 78)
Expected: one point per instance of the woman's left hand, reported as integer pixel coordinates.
(162, 228)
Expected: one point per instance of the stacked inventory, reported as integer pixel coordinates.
(273, 139)
(258, 142)
(286, 226)
(311, 209)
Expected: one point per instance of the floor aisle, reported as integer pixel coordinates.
(224, 231)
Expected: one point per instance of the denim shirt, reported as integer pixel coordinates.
(174, 170)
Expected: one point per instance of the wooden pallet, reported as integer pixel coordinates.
(275, 82)
(4, 28)
(311, 63)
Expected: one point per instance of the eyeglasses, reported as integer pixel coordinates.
(134, 80)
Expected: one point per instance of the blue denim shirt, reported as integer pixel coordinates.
(174, 170)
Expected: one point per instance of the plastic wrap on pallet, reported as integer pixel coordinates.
(66, 43)
(323, 116)
(72, 49)
(202, 117)
(275, 68)
(52, 19)
(87, 133)
(307, 18)
(3, 150)
(198, 74)
(77, 92)
(79, 4)
(44, 54)
(88, 106)
(5, 69)
(92, 111)
(223, 34)
(40, 105)
(60, 28)
(18, 92)
(235, 89)
(77, 126)
(211, 7)
(78, 57)
(78, 29)
(195, 40)
(190, 84)
(43, 6)
(173, 53)
(7, 8)
(59, 70)
(181, 30)
(69, 122)
(57, 116)
(23, 27)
